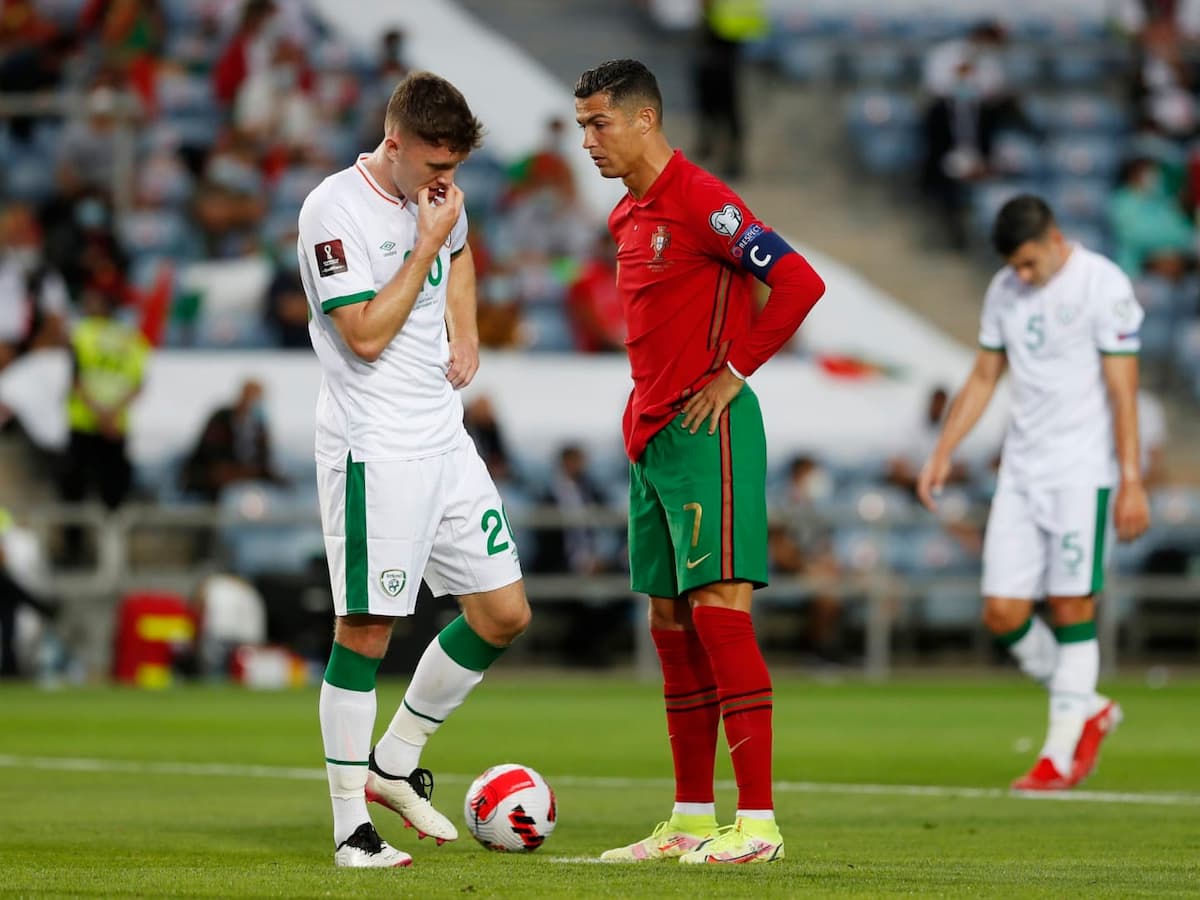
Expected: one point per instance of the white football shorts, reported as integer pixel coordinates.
(389, 524)
(1046, 542)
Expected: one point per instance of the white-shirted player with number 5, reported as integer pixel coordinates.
(1064, 321)
(403, 493)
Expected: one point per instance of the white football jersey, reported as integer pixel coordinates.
(354, 236)
(1061, 431)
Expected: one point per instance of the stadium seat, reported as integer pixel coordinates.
(893, 151)
(1094, 113)
(1084, 156)
(28, 176)
(295, 185)
(869, 110)
(1081, 199)
(1017, 154)
(1023, 65)
(1154, 294)
(886, 64)
(1077, 67)
(1090, 233)
(151, 232)
(483, 181)
(1157, 335)
(947, 607)
(987, 198)
(181, 93)
(548, 329)
(1187, 348)
(806, 60)
(256, 546)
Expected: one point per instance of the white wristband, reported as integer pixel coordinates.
(738, 374)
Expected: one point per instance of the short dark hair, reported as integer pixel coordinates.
(430, 108)
(623, 80)
(1023, 218)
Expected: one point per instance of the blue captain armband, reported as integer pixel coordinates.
(758, 249)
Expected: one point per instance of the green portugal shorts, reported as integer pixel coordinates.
(698, 505)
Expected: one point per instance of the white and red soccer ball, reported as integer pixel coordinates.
(510, 808)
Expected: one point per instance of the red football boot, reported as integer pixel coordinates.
(1044, 777)
(1095, 730)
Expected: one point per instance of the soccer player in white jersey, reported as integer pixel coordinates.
(403, 493)
(1064, 322)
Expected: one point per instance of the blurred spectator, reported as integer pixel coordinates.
(905, 466)
(229, 204)
(33, 296)
(109, 369)
(273, 104)
(499, 311)
(133, 35)
(800, 542)
(580, 549)
(287, 311)
(87, 154)
(1152, 440)
(393, 67)
(231, 614)
(479, 418)
(234, 446)
(724, 26)
(1151, 233)
(969, 104)
(1164, 81)
(249, 49)
(974, 60)
(22, 584)
(33, 55)
(81, 243)
(957, 131)
(593, 304)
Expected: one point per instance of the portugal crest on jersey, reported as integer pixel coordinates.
(659, 242)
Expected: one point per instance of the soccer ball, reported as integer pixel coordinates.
(510, 808)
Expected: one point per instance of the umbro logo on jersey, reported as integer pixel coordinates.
(388, 248)
(331, 258)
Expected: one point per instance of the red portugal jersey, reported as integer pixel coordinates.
(687, 287)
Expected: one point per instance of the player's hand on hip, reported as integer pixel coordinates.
(437, 212)
(710, 401)
(464, 362)
(932, 479)
(1131, 515)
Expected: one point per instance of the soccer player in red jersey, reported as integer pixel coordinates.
(688, 254)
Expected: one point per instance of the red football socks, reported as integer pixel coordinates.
(744, 689)
(690, 694)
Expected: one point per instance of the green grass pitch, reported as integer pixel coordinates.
(219, 792)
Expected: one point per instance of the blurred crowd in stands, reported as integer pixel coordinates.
(1099, 114)
(151, 202)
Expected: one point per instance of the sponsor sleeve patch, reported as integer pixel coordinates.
(331, 258)
(758, 252)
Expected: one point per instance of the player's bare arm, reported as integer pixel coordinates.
(1131, 514)
(367, 328)
(965, 411)
(462, 328)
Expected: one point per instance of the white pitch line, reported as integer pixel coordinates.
(135, 767)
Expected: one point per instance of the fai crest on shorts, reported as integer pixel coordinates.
(392, 581)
